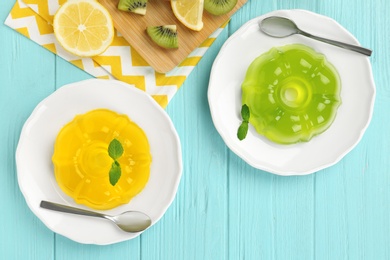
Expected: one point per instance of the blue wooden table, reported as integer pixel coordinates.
(224, 208)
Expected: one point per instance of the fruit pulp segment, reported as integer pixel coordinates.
(189, 12)
(164, 36)
(135, 6)
(219, 7)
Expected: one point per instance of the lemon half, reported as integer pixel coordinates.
(83, 27)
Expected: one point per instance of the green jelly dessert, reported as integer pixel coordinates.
(293, 93)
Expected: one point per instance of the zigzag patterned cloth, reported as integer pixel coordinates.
(33, 19)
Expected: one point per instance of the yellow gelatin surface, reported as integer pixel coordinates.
(82, 163)
(292, 92)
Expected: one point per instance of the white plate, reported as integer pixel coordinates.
(353, 116)
(35, 149)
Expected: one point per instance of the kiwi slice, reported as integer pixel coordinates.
(219, 7)
(134, 6)
(164, 36)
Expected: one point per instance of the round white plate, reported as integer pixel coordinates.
(35, 149)
(324, 150)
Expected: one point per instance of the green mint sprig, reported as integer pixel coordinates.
(243, 128)
(115, 150)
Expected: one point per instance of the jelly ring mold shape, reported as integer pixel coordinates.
(82, 162)
(293, 93)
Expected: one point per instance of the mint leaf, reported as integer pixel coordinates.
(115, 149)
(242, 130)
(245, 113)
(115, 173)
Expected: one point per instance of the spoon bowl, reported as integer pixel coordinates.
(280, 27)
(129, 221)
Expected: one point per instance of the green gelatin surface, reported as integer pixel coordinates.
(293, 93)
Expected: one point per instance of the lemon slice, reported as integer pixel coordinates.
(189, 13)
(83, 27)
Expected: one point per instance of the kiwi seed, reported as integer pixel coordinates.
(219, 7)
(164, 36)
(134, 6)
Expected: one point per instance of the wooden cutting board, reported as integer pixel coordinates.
(133, 29)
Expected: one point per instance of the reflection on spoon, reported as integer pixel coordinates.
(280, 27)
(129, 221)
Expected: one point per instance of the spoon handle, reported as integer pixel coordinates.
(344, 45)
(68, 209)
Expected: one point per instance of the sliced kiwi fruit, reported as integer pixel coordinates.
(219, 7)
(164, 36)
(134, 6)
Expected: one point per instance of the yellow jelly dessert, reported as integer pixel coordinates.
(292, 92)
(83, 164)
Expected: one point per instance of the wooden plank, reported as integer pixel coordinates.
(132, 27)
(67, 249)
(26, 77)
(195, 226)
(353, 209)
(251, 217)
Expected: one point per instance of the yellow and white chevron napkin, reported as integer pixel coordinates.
(33, 19)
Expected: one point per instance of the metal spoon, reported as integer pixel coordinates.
(129, 221)
(280, 27)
